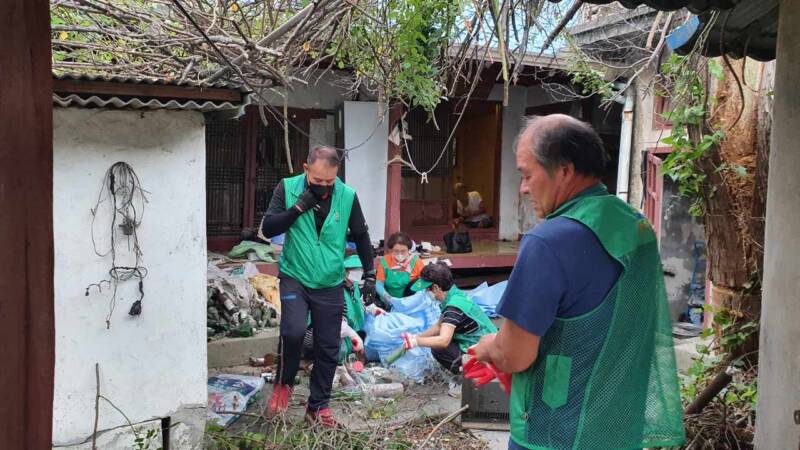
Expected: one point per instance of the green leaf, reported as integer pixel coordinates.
(740, 170)
(715, 69)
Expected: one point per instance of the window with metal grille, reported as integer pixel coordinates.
(428, 203)
(225, 176)
(271, 164)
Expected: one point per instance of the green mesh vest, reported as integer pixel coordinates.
(397, 280)
(458, 299)
(317, 261)
(606, 379)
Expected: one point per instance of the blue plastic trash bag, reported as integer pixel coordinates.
(488, 297)
(418, 306)
(384, 336)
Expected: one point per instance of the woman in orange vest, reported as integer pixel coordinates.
(398, 269)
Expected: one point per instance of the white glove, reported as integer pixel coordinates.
(374, 310)
(347, 332)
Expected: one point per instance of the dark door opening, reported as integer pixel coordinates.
(471, 159)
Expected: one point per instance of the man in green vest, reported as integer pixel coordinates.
(587, 333)
(315, 210)
(461, 324)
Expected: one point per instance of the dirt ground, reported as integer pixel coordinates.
(402, 423)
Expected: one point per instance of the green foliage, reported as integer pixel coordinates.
(689, 100)
(406, 52)
(287, 436)
(590, 80)
(729, 334)
(147, 440)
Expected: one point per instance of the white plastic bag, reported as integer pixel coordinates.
(230, 393)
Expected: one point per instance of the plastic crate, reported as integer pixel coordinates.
(488, 406)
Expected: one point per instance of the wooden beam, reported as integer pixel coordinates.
(487, 81)
(145, 90)
(27, 328)
(394, 180)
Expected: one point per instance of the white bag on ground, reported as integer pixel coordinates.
(230, 393)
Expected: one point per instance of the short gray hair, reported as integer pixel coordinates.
(569, 140)
(329, 155)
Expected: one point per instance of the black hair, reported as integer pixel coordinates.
(399, 238)
(327, 154)
(439, 274)
(568, 141)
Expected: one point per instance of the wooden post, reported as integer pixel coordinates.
(394, 180)
(26, 225)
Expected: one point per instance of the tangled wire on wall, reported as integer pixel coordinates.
(122, 191)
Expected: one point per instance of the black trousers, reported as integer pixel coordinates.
(449, 357)
(326, 306)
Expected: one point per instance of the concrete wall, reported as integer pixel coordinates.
(509, 226)
(779, 358)
(366, 168)
(679, 232)
(153, 365)
(322, 132)
(645, 135)
(324, 94)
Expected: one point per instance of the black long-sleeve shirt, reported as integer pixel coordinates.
(278, 219)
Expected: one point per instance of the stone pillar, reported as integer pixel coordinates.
(779, 357)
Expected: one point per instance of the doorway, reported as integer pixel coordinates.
(472, 158)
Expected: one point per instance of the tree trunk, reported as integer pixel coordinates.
(735, 203)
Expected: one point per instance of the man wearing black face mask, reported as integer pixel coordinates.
(311, 273)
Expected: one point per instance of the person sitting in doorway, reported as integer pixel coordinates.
(461, 325)
(469, 207)
(398, 269)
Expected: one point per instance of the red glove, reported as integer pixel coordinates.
(483, 373)
(409, 341)
(358, 345)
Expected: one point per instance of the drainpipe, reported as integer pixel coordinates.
(625, 141)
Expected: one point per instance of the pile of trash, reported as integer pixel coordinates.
(240, 300)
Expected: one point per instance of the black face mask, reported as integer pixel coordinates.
(320, 191)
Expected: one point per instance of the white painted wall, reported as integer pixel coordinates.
(153, 365)
(366, 168)
(509, 226)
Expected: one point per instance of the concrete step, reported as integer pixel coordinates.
(227, 352)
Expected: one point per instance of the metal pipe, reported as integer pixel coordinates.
(625, 145)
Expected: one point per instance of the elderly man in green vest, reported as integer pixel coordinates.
(315, 210)
(587, 333)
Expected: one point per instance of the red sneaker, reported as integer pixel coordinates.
(279, 401)
(323, 417)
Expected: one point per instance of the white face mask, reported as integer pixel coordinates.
(432, 296)
(400, 258)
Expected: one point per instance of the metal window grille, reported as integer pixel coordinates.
(271, 164)
(225, 176)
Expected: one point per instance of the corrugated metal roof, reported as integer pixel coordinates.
(136, 103)
(150, 101)
(695, 6)
(743, 27)
(750, 29)
(76, 76)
